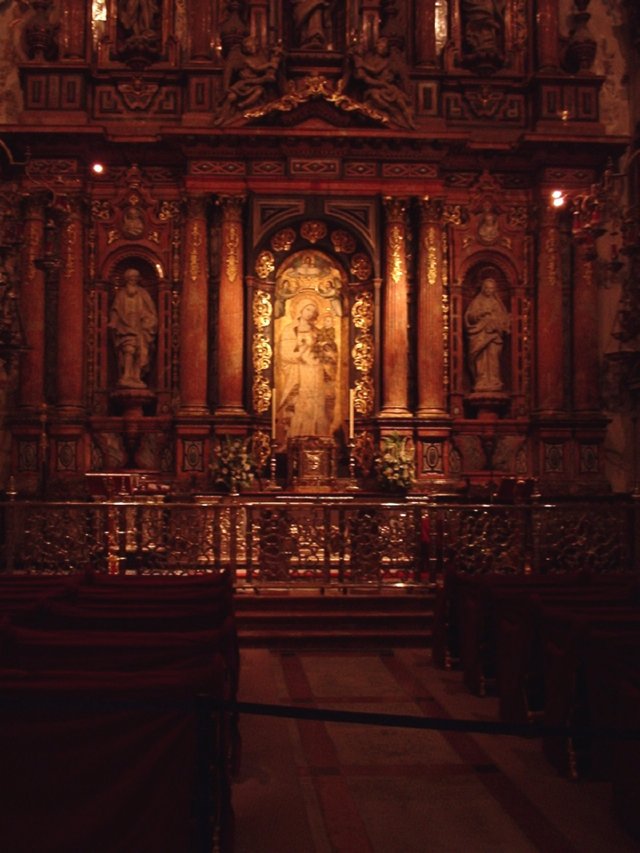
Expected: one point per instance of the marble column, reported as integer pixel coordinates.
(32, 294)
(194, 331)
(395, 312)
(231, 307)
(585, 328)
(550, 390)
(431, 343)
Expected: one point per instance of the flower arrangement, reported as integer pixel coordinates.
(233, 464)
(395, 465)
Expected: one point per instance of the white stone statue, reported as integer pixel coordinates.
(134, 323)
(486, 322)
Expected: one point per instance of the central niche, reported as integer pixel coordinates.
(311, 347)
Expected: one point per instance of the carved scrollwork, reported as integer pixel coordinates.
(262, 309)
(262, 353)
(362, 353)
(265, 265)
(362, 312)
(283, 240)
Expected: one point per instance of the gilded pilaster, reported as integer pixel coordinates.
(395, 312)
(431, 313)
(231, 307)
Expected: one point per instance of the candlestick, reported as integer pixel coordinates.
(273, 413)
(352, 395)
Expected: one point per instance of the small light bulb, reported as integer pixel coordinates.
(97, 168)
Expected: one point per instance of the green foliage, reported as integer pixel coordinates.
(233, 463)
(395, 465)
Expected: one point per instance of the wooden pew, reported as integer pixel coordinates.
(108, 761)
(565, 647)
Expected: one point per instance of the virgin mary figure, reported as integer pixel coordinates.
(307, 356)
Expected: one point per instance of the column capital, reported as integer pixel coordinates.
(231, 204)
(395, 208)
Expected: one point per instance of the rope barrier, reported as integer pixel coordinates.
(524, 730)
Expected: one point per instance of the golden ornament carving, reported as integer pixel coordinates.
(194, 251)
(455, 214)
(261, 446)
(101, 210)
(363, 353)
(265, 265)
(262, 352)
(432, 256)
(551, 247)
(364, 396)
(232, 250)
(314, 87)
(113, 236)
(395, 242)
(32, 253)
(176, 246)
(362, 311)
(313, 230)
(71, 238)
(283, 240)
(168, 210)
(261, 395)
(262, 309)
(343, 242)
(361, 267)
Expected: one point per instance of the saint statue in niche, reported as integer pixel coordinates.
(134, 324)
(311, 24)
(483, 29)
(486, 321)
(138, 16)
(308, 346)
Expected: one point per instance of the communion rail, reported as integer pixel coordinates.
(319, 541)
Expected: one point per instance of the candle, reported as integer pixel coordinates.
(273, 413)
(352, 395)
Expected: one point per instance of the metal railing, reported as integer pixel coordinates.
(319, 541)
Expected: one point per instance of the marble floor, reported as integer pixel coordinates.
(326, 787)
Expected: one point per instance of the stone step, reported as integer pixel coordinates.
(329, 621)
(334, 639)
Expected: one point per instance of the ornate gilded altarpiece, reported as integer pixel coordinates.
(365, 185)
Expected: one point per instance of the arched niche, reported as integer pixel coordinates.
(277, 273)
(487, 341)
(104, 372)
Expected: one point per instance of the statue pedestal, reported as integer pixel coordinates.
(488, 405)
(131, 401)
(311, 463)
